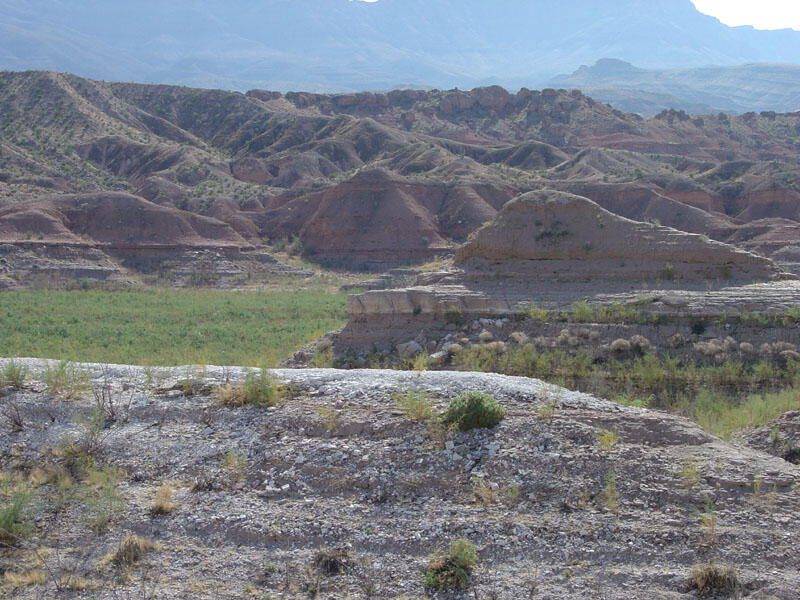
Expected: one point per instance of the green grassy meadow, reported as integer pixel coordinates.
(165, 327)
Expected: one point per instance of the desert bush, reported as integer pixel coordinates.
(454, 315)
(415, 404)
(13, 374)
(710, 579)
(130, 550)
(65, 379)
(258, 389)
(163, 504)
(473, 409)
(15, 510)
(452, 571)
(333, 561)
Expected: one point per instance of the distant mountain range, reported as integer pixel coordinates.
(348, 45)
(736, 89)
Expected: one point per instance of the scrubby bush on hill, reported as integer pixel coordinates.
(473, 409)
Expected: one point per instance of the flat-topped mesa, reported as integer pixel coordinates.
(559, 236)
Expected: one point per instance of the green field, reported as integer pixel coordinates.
(165, 327)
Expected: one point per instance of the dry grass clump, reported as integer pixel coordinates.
(25, 578)
(710, 579)
(333, 561)
(163, 504)
(130, 550)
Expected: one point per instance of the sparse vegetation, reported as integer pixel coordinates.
(15, 512)
(130, 550)
(452, 571)
(65, 379)
(473, 409)
(710, 579)
(13, 375)
(162, 503)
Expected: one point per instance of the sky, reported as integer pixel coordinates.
(761, 14)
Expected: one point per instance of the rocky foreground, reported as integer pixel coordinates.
(336, 493)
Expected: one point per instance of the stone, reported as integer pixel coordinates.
(409, 349)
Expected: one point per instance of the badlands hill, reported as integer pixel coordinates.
(366, 180)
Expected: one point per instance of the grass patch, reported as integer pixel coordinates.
(452, 571)
(715, 412)
(166, 327)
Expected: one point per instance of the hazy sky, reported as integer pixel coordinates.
(761, 14)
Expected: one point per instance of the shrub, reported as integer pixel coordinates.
(415, 404)
(13, 374)
(163, 504)
(452, 572)
(257, 389)
(473, 409)
(713, 580)
(130, 550)
(333, 561)
(14, 522)
(65, 379)
(455, 315)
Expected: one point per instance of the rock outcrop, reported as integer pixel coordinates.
(563, 237)
(561, 490)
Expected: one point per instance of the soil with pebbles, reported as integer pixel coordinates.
(557, 507)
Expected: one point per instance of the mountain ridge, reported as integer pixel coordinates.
(341, 46)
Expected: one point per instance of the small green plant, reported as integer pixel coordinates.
(420, 362)
(15, 508)
(534, 313)
(13, 374)
(452, 571)
(473, 409)
(582, 312)
(484, 493)
(690, 473)
(65, 380)
(415, 404)
(609, 496)
(102, 498)
(668, 273)
(607, 440)
(455, 315)
(708, 524)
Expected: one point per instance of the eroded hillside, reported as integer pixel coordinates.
(366, 180)
(344, 484)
